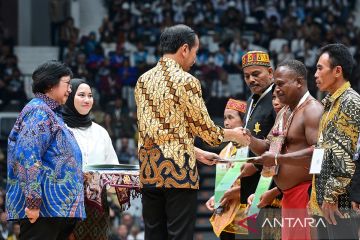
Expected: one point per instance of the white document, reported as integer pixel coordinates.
(316, 161)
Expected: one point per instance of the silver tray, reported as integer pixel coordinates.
(112, 167)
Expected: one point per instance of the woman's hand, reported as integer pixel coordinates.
(266, 199)
(210, 204)
(250, 199)
(232, 194)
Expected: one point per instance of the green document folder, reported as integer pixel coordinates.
(225, 177)
(262, 187)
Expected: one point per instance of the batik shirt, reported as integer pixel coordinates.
(355, 183)
(44, 164)
(357, 152)
(339, 125)
(171, 112)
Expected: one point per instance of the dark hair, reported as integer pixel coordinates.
(242, 115)
(296, 66)
(48, 75)
(339, 55)
(172, 38)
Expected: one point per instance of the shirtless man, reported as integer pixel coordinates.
(300, 128)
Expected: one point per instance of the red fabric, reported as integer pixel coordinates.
(236, 105)
(296, 221)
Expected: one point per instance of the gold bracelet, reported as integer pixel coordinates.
(276, 159)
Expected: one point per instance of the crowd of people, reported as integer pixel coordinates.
(127, 39)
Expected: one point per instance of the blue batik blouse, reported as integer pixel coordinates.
(44, 164)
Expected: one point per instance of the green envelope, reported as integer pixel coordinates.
(225, 177)
(262, 187)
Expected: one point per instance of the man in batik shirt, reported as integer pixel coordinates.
(171, 112)
(338, 135)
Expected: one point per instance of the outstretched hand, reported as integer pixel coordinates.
(250, 199)
(242, 138)
(210, 204)
(267, 159)
(207, 158)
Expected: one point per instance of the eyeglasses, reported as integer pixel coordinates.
(67, 82)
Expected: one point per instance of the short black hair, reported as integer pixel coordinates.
(339, 55)
(296, 66)
(172, 38)
(48, 75)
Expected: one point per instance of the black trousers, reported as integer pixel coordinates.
(344, 229)
(169, 213)
(47, 228)
(227, 236)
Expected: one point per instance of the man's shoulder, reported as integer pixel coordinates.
(349, 100)
(265, 101)
(145, 79)
(148, 73)
(350, 96)
(313, 109)
(188, 77)
(182, 78)
(313, 103)
(350, 104)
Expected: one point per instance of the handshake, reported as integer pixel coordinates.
(239, 136)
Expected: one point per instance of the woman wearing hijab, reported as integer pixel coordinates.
(96, 147)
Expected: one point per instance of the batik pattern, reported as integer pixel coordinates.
(44, 164)
(339, 125)
(171, 112)
(357, 153)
